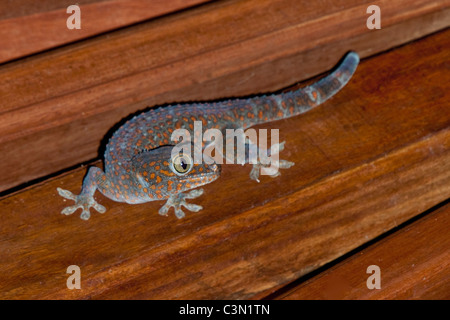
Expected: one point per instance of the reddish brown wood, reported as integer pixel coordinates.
(26, 29)
(20, 8)
(414, 264)
(57, 107)
(371, 158)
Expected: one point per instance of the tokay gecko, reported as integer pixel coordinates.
(139, 166)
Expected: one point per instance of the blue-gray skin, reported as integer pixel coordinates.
(138, 162)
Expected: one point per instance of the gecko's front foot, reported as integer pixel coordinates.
(82, 201)
(178, 200)
(271, 169)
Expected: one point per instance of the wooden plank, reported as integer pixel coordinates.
(414, 263)
(371, 158)
(20, 8)
(57, 107)
(29, 27)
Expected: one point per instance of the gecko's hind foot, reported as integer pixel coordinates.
(82, 201)
(271, 169)
(178, 200)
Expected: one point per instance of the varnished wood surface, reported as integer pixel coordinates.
(368, 160)
(414, 263)
(58, 106)
(29, 26)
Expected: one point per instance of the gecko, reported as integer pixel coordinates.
(138, 163)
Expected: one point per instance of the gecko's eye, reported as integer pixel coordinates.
(182, 164)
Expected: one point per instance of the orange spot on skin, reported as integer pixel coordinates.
(152, 175)
(158, 179)
(169, 185)
(291, 110)
(314, 93)
(167, 173)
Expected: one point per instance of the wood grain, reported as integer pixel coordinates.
(368, 160)
(29, 27)
(414, 264)
(58, 106)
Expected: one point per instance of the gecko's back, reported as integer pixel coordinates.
(154, 127)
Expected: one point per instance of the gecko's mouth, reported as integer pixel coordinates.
(203, 178)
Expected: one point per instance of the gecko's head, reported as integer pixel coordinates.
(164, 172)
(190, 174)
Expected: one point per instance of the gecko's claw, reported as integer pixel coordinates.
(82, 201)
(178, 200)
(271, 169)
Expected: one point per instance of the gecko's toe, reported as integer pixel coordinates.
(179, 213)
(284, 164)
(98, 207)
(254, 173)
(192, 207)
(164, 210)
(194, 193)
(66, 194)
(85, 215)
(70, 209)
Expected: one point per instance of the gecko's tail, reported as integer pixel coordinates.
(289, 104)
(317, 93)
